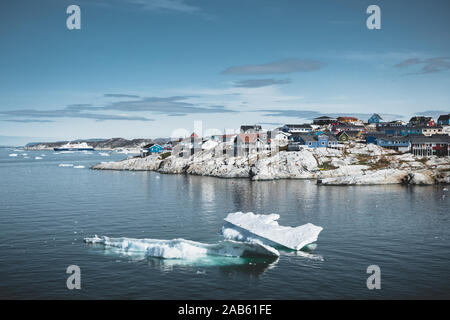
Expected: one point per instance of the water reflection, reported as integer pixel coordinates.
(247, 265)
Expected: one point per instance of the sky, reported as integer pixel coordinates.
(158, 68)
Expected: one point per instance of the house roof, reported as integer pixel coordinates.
(347, 125)
(304, 125)
(436, 138)
(308, 138)
(249, 127)
(420, 118)
(331, 137)
(352, 133)
(275, 132)
(444, 117)
(377, 116)
(394, 138)
(347, 118)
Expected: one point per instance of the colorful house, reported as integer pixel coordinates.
(296, 128)
(398, 143)
(156, 148)
(444, 120)
(437, 145)
(375, 118)
(421, 121)
(311, 141)
(347, 119)
(342, 136)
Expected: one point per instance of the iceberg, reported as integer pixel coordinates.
(79, 167)
(65, 165)
(13, 154)
(38, 158)
(264, 229)
(185, 249)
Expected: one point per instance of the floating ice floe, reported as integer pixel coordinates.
(248, 235)
(265, 229)
(185, 249)
(104, 154)
(38, 158)
(79, 167)
(13, 154)
(65, 165)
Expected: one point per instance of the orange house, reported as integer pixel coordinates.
(347, 119)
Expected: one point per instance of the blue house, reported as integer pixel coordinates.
(371, 137)
(395, 142)
(156, 148)
(320, 141)
(444, 120)
(411, 131)
(375, 118)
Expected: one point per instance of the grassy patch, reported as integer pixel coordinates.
(382, 163)
(363, 159)
(165, 155)
(327, 166)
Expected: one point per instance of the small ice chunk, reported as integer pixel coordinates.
(79, 167)
(13, 154)
(104, 154)
(38, 158)
(266, 227)
(65, 165)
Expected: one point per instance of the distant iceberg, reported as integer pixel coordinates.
(13, 154)
(65, 165)
(79, 167)
(265, 229)
(185, 249)
(38, 158)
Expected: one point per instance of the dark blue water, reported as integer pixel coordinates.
(46, 210)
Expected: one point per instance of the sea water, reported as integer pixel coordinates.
(46, 210)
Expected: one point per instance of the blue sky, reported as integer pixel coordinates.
(144, 68)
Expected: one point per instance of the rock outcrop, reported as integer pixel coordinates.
(356, 164)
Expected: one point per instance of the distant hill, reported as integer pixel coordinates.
(100, 144)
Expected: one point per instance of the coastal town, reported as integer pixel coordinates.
(333, 151)
(421, 136)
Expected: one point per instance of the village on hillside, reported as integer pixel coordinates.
(422, 136)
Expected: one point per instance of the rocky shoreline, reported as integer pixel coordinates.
(356, 164)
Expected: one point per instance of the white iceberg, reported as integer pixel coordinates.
(185, 249)
(79, 167)
(65, 165)
(13, 154)
(259, 228)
